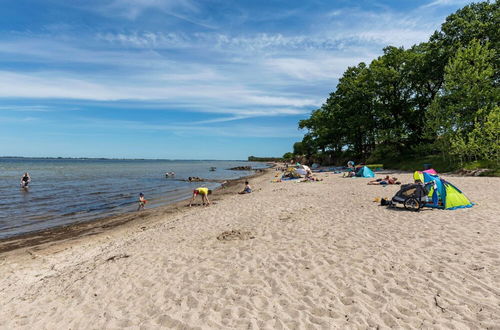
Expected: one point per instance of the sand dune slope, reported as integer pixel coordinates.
(317, 255)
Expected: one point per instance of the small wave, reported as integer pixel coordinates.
(41, 198)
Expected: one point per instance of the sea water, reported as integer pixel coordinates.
(66, 191)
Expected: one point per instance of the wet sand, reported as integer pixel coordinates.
(319, 255)
(100, 225)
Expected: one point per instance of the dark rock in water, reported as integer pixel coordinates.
(241, 168)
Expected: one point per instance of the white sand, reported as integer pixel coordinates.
(315, 255)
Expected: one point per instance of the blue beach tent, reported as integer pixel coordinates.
(365, 172)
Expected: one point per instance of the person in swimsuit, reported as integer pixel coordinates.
(204, 192)
(384, 181)
(25, 180)
(142, 202)
(247, 189)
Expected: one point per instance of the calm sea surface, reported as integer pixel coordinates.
(64, 191)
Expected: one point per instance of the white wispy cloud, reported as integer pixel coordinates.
(222, 72)
(19, 119)
(55, 85)
(313, 68)
(193, 129)
(437, 3)
(25, 108)
(381, 28)
(131, 9)
(181, 10)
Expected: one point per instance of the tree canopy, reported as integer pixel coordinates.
(441, 96)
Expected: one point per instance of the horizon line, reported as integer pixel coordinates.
(115, 158)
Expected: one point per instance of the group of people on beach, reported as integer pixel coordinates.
(201, 191)
(204, 192)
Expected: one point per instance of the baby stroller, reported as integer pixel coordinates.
(413, 196)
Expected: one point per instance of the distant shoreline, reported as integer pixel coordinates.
(104, 158)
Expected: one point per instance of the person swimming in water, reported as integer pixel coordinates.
(204, 192)
(25, 180)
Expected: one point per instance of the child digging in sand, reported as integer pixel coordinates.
(247, 189)
(204, 192)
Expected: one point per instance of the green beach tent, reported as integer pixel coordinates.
(443, 194)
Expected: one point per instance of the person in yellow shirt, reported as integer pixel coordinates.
(204, 192)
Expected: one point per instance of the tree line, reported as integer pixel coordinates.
(439, 97)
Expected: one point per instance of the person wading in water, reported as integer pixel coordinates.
(25, 180)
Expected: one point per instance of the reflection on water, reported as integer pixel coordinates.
(64, 191)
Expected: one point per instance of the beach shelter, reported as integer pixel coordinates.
(365, 172)
(419, 175)
(443, 194)
(305, 167)
(301, 171)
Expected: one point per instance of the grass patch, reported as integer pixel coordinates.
(374, 166)
(417, 164)
(481, 164)
(495, 172)
(442, 165)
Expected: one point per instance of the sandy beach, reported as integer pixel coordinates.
(317, 255)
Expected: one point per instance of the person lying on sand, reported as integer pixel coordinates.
(204, 192)
(313, 178)
(194, 179)
(247, 189)
(384, 181)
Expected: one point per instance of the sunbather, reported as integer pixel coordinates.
(384, 181)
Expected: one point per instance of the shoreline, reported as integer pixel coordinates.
(289, 255)
(78, 230)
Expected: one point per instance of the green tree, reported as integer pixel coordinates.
(469, 94)
(298, 149)
(479, 21)
(443, 93)
(288, 156)
(485, 137)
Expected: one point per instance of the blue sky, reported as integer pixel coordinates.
(184, 79)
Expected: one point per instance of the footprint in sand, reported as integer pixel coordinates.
(233, 235)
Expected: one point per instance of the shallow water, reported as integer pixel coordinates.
(65, 191)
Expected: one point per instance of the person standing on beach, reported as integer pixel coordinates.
(25, 180)
(204, 192)
(142, 202)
